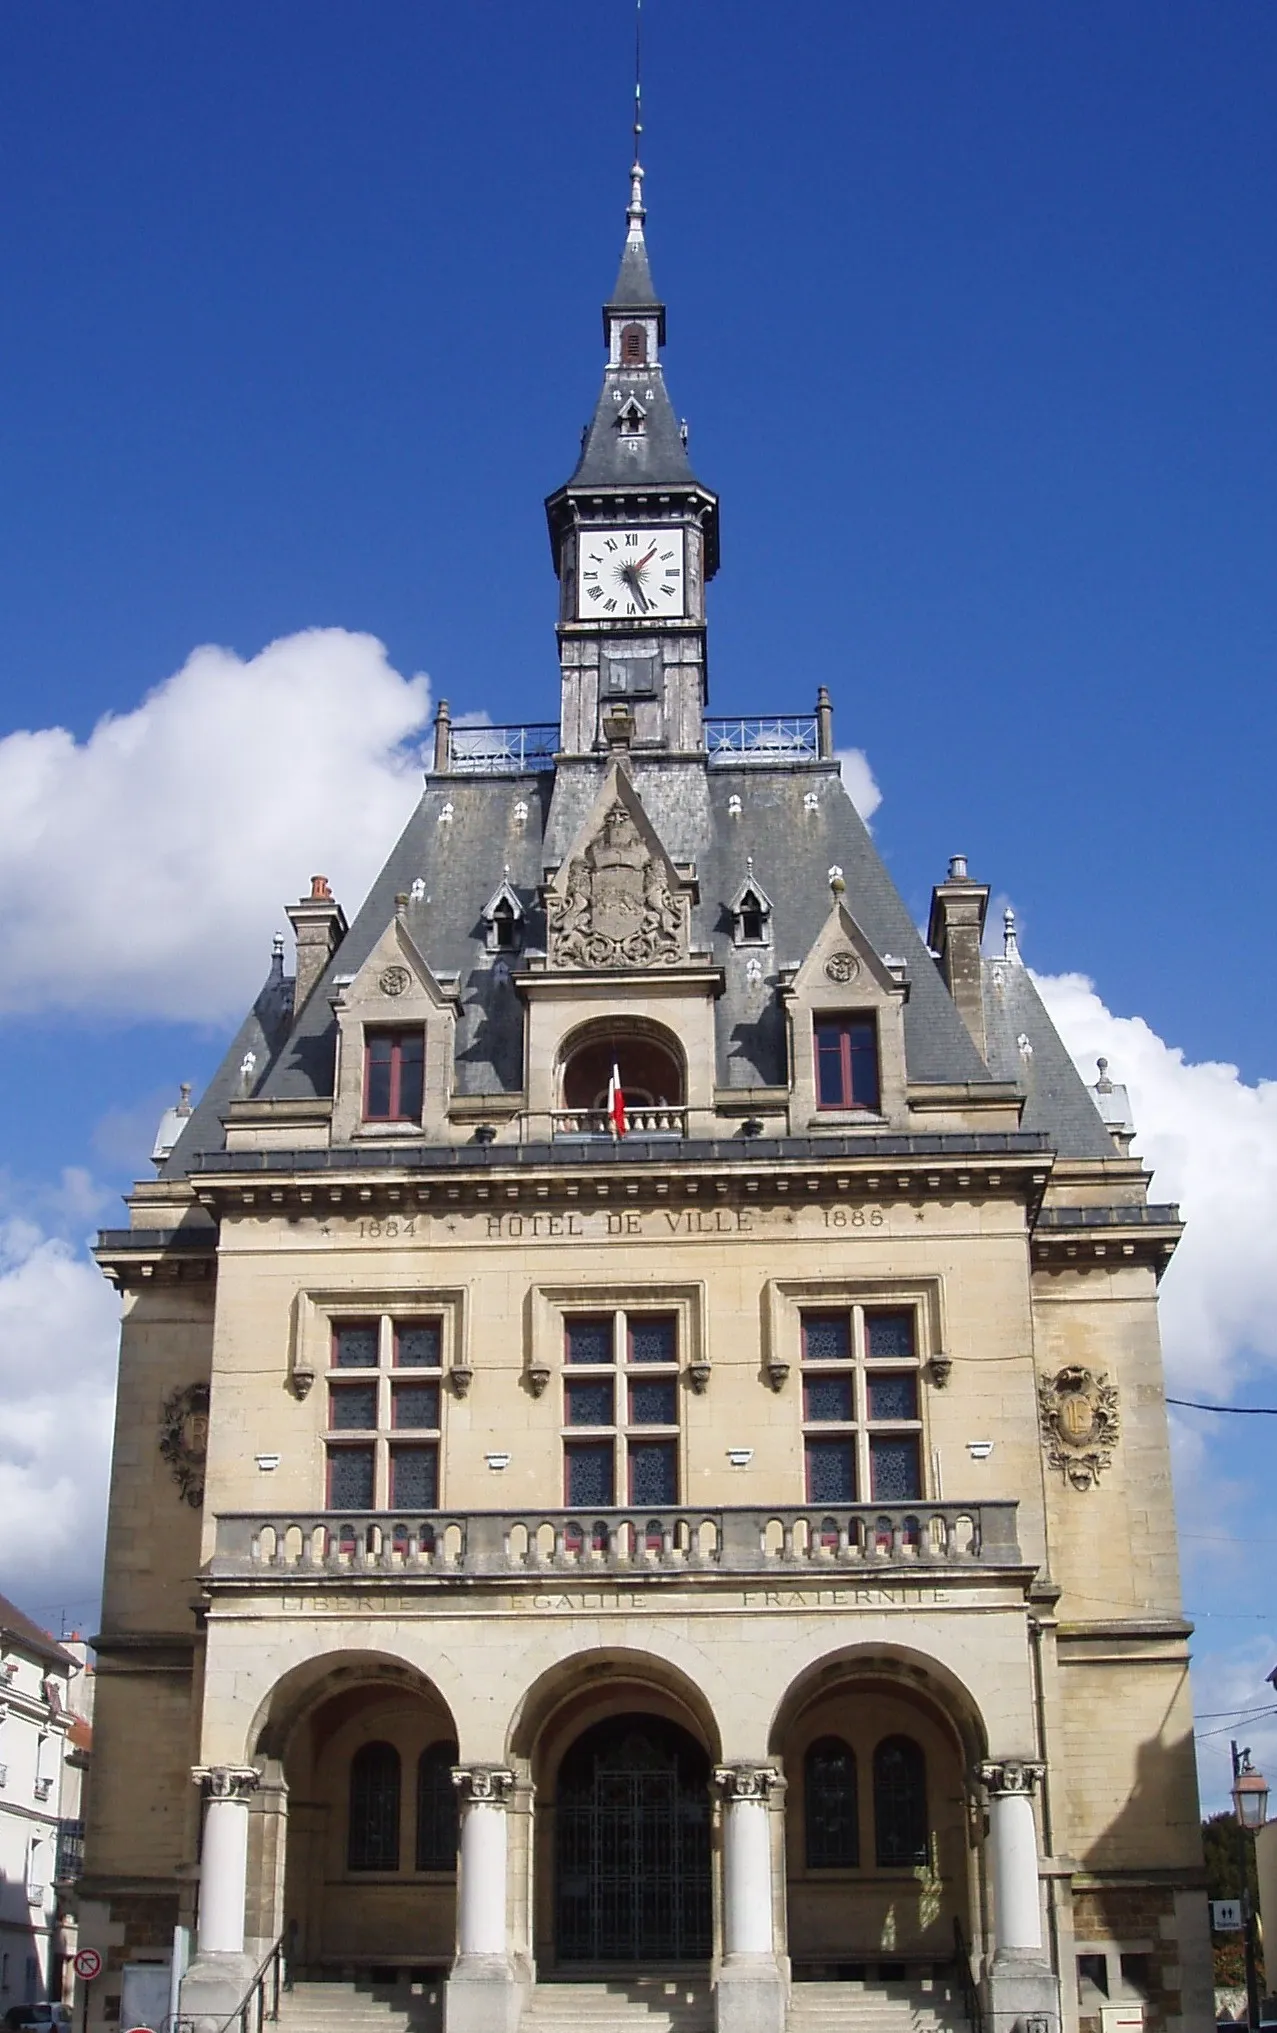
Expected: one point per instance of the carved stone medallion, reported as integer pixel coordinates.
(616, 907)
(1080, 1423)
(394, 980)
(842, 967)
(184, 1439)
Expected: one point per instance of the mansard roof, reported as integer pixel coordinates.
(795, 822)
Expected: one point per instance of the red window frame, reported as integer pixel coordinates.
(397, 1039)
(851, 1060)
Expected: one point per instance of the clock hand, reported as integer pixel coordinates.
(630, 575)
(647, 560)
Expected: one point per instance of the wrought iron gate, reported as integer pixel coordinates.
(632, 1852)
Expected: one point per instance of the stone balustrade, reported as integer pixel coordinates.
(660, 1120)
(927, 1539)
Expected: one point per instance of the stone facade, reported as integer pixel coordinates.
(743, 1541)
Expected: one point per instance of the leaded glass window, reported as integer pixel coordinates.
(382, 1402)
(900, 1804)
(862, 1419)
(373, 1838)
(436, 1809)
(621, 1376)
(831, 1811)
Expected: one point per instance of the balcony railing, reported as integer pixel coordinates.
(70, 1862)
(476, 751)
(929, 1540)
(769, 740)
(660, 1121)
(43, 1788)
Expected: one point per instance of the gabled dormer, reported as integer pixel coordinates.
(396, 1028)
(845, 1007)
(750, 910)
(503, 920)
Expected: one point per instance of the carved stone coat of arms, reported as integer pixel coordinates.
(616, 907)
(1080, 1423)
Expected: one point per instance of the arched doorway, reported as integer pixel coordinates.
(367, 1747)
(632, 1845)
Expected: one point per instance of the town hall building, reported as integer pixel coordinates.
(641, 1490)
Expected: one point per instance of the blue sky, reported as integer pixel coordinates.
(972, 316)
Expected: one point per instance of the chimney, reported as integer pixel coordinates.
(958, 906)
(443, 739)
(824, 724)
(320, 925)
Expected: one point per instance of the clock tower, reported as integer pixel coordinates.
(635, 540)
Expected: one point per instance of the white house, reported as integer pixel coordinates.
(38, 1735)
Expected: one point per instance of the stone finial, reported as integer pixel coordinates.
(184, 1105)
(401, 903)
(1010, 942)
(1103, 1085)
(837, 881)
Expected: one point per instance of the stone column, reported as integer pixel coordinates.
(750, 1994)
(218, 1979)
(481, 1996)
(1024, 1993)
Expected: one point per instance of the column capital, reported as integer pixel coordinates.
(490, 1784)
(226, 1782)
(1011, 1775)
(746, 1782)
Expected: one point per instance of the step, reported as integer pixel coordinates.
(655, 2003)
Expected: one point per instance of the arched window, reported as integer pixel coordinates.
(373, 1840)
(633, 346)
(436, 1809)
(830, 1807)
(900, 1802)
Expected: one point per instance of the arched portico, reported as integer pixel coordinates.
(619, 1747)
(877, 1747)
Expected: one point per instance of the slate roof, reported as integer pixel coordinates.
(1023, 1045)
(461, 859)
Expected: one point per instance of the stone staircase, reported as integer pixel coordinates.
(365, 2007)
(926, 2005)
(656, 2002)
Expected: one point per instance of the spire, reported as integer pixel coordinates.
(634, 290)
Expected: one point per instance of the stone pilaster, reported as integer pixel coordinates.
(218, 1978)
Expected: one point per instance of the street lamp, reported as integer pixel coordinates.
(1250, 1805)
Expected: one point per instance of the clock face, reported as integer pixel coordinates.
(629, 574)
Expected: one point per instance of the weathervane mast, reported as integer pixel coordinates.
(636, 214)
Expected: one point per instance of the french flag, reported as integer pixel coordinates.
(616, 1103)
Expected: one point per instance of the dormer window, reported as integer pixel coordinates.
(632, 418)
(394, 1070)
(503, 920)
(634, 346)
(751, 914)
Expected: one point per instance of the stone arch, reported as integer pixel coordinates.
(585, 1686)
(645, 1699)
(886, 1914)
(359, 1890)
(650, 1058)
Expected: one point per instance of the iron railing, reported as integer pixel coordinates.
(261, 2000)
(70, 1861)
(967, 1984)
(773, 739)
(476, 751)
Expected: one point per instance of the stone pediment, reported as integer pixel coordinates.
(842, 964)
(617, 901)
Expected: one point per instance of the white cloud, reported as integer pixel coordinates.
(58, 1328)
(858, 781)
(143, 871)
(1211, 1140)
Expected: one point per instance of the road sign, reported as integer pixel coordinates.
(1226, 1916)
(88, 1964)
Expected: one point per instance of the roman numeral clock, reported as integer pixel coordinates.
(631, 573)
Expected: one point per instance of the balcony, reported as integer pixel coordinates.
(658, 1120)
(770, 740)
(43, 1788)
(493, 751)
(70, 1863)
(928, 1541)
